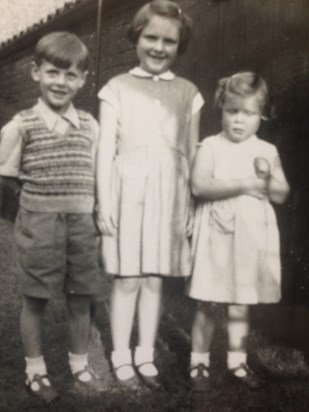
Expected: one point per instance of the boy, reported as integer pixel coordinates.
(51, 149)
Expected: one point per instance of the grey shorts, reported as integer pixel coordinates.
(56, 252)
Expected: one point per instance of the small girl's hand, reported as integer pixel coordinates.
(105, 221)
(262, 168)
(256, 187)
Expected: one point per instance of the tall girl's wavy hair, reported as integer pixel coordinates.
(244, 84)
(162, 8)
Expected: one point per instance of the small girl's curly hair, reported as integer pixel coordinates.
(243, 84)
(163, 8)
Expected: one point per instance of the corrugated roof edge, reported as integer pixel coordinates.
(66, 9)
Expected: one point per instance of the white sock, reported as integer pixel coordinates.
(144, 355)
(234, 359)
(36, 366)
(77, 364)
(196, 359)
(123, 357)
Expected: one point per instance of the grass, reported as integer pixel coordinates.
(282, 366)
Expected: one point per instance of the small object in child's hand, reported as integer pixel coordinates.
(262, 167)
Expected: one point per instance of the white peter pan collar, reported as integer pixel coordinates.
(139, 72)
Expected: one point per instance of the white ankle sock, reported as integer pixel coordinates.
(196, 359)
(36, 366)
(144, 355)
(234, 359)
(77, 364)
(123, 357)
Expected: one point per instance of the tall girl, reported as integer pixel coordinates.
(236, 241)
(149, 129)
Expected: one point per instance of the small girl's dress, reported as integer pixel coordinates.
(150, 183)
(236, 240)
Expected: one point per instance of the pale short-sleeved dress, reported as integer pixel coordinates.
(150, 183)
(236, 240)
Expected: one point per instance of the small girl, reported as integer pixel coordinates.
(149, 128)
(235, 238)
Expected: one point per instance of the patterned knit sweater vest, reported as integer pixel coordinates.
(57, 171)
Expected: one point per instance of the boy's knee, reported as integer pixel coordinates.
(33, 305)
(78, 305)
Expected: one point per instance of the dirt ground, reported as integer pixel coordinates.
(284, 368)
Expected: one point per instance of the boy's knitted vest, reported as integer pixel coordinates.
(57, 171)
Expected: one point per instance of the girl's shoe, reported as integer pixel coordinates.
(38, 387)
(132, 383)
(250, 378)
(151, 381)
(199, 382)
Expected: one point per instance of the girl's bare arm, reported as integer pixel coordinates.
(278, 187)
(105, 158)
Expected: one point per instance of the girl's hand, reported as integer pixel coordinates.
(105, 221)
(262, 168)
(256, 187)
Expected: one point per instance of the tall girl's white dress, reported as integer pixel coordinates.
(236, 240)
(150, 184)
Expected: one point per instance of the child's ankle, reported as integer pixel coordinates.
(144, 358)
(35, 366)
(236, 358)
(122, 364)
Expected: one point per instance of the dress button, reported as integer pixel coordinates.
(156, 78)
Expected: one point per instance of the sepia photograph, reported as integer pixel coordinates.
(154, 205)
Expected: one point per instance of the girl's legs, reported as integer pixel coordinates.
(149, 310)
(123, 302)
(238, 329)
(202, 333)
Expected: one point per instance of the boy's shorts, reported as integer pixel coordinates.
(56, 252)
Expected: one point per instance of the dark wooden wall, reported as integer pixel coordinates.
(270, 37)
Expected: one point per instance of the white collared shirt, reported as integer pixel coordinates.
(139, 72)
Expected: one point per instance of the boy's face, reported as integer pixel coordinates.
(58, 86)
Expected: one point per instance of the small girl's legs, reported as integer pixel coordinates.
(149, 311)
(202, 334)
(123, 303)
(37, 381)
(238, 330)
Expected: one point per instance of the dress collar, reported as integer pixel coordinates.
(139, 72)
(50, 117)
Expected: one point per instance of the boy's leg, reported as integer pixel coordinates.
(149, 311)
(122, 309)
(37, 381)
(79, 325)
(31, 325)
